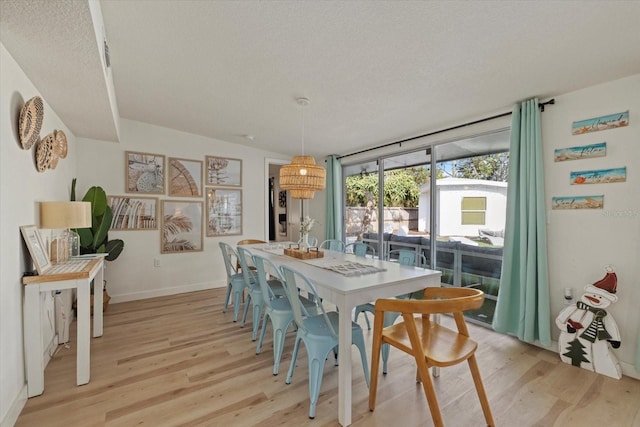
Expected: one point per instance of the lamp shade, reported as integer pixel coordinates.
(302, 177)
(65, 214)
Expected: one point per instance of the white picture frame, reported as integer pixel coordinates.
(37, 248)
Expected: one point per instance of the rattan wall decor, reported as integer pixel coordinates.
(45, 154)
(30, 122)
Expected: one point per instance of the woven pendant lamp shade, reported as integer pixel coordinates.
(302, 177)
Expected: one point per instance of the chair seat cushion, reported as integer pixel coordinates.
(441, 346)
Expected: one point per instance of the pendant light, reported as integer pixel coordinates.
(302, 177)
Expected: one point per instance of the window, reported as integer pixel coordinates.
(474, 210)
(398, 202)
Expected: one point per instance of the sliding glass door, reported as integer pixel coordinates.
(454, 216)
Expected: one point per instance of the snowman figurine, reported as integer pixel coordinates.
(587, 331)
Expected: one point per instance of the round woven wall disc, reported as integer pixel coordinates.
(45, 153)
(30, 122)
(61, 143)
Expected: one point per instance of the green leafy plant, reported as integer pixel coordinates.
(95, 239)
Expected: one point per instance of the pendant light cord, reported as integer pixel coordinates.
(303, 102)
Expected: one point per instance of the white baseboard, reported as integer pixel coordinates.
(13, 413)
(166, 291)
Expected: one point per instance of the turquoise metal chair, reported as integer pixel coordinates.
(235, 281)
(276, 309)
(404, 257)
(360, 249)
(332, 245)
(319, 334)
(256, 296)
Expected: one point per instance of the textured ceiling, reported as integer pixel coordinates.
(55, 44)
(375, 72)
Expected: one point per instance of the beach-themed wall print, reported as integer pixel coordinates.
(577, 202)
(185, 177)
(602, 176)
(181, 227)
(224, 212)
(144, 173)
(580, 152)
(133, 213)
(595, 124)
(223, 171)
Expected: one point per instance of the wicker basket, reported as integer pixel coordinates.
(297, 253)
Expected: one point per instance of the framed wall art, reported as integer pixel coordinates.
(185, 177)
(144, 173)
(595, 124)
(578, 202)
(181, 227)
(223, 171)
(36, 247)
(579, 153)
(133, 213)
(224, 212)
(602, 176)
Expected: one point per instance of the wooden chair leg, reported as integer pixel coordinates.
(375, 365)
(432, 400)
(482, 394)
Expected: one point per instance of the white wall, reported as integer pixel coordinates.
(22, 187)
(133, 275)
(582, 242)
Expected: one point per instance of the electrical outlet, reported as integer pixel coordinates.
(156, 262)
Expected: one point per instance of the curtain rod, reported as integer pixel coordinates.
(486, 119)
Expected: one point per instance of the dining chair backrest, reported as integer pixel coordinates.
(332, 245)
(266, 268)
(228, 254)
(245, 259)
(296, 282)
(407, 257)
(249, 242)
(361, 249)
(313, 241)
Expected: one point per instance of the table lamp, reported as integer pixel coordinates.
(65, 215)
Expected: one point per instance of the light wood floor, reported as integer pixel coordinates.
(180, 361)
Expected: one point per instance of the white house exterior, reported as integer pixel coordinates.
(451, 192)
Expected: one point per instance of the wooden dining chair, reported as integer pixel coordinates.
(247, 242)
(428, 342)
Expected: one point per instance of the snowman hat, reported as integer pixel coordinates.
(606, 287)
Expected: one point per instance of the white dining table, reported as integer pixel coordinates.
(346, 292)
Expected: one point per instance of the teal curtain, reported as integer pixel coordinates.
(523, 299)
(333, 217)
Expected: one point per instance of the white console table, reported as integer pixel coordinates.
(74, 274)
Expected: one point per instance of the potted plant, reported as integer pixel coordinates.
(95, 239)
